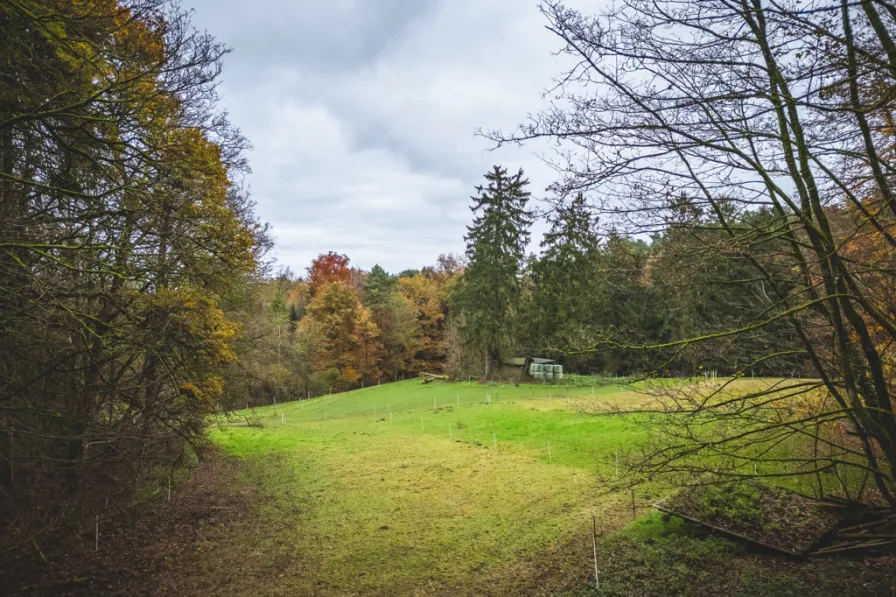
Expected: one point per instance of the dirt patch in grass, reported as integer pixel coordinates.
(167, 552)
(228, 532)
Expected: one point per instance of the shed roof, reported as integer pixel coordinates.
(521, 361)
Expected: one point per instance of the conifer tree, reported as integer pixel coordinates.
(378, 288)
(489, 292)
(565, 281)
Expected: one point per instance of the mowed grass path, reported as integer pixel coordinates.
(371, 494)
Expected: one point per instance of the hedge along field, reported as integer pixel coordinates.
(412, 488)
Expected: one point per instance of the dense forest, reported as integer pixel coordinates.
(125, 237)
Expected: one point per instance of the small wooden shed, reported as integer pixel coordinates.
(515, 369)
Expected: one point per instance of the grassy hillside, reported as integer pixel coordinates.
(422, 489)
(427, 485)
(520, 419)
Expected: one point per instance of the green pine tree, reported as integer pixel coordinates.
(378, 288)
(496, 243)
(565, 285)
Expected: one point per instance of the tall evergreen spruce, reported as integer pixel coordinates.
(565, 281)
(496, 246)
(378, 288)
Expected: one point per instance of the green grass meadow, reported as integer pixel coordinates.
(464, 489)
(414, 488)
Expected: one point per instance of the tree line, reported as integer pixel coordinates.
(125, 237)
(338, 327)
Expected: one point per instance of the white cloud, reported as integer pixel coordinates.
(364, 126)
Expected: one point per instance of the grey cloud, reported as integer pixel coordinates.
(362, 115)
(316, 35)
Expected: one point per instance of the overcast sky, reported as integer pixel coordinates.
(362, 115)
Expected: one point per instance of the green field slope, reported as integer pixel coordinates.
(471, 489)
(415, 488)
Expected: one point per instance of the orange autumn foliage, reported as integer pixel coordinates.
(343, 333)
(329, 267)
(426, 297)
(874, 255)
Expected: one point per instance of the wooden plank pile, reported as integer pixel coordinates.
(431, 377)
(876, 535)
